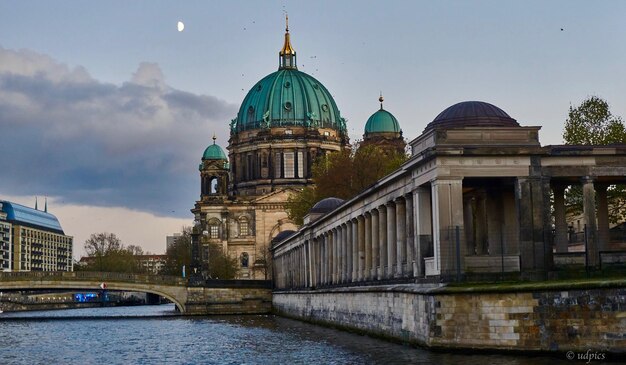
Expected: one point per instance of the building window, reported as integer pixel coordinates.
(289, 165)
(244, 227)
(300, 164)
(214, 231)
(214, 185)
(277, 166)
(244, 259)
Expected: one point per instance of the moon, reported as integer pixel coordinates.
(181, 26)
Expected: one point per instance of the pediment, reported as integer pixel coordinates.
(278, 196)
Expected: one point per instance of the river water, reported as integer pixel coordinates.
(156, 335)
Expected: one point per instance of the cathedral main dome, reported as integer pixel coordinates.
(285, 123)
(288, 97)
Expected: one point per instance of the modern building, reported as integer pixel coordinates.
(171, 240)
(286, 121)
(37, 242)
(5, 242)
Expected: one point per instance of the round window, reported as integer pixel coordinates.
(258, 87)
(288, 105)
(287, 84)
(325, 107)
(315, 86)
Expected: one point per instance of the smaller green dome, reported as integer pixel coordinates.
(214, 152)
(382, 122)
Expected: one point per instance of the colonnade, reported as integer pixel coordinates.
(595, 213)
(378, 244)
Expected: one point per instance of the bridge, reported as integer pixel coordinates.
(191, 296)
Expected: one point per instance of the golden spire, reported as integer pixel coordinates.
(287, 48)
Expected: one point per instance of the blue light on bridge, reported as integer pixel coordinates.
(85, 297)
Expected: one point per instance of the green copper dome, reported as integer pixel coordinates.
(382, 122)
(214, 152)
(288, 97)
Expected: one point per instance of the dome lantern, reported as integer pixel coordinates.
(287, 53)
(214, 152)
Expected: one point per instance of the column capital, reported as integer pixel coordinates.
(587, 179)
(448, 180)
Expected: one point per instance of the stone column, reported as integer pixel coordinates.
(391, 239)
(410, 235)
(400, 237)
(375, 245)
(361, 240)
(423, 229)
(314, 261)
(560, 224)
(340, 254)
(324, 258)
(349, 251)
(346, 257)
(335, 257)
(368, 247)
(468, 220)
(603, 217)
(355, 251)
(589, 211)
(531, 200)
(447, 205)
(327, 258)
(382, 241)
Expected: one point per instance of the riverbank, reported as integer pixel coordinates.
(556, 317)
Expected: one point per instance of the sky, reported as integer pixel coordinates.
(106, 108)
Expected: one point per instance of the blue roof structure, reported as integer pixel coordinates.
(19, 214)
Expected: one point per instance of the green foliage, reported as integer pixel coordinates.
(591, 123)
(178, 254)
(108, 254)
(343, 175)
(219, 265)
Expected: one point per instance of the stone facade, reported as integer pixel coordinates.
(287, 120)
(555, 320)
(470, 200)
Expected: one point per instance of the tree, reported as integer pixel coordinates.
(591, 123)
(178, 254)
(219, 264)
(343, 175)
(109, 254)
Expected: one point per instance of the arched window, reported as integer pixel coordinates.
(244, 227)
(214, 228)
(244, 259)
(214, 185)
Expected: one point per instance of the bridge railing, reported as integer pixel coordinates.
(93, 276)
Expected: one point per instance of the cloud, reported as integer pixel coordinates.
(135, 145)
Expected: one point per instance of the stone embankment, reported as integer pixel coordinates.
(526, 317)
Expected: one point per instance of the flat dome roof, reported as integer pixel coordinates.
(326, 205)
(471, 114)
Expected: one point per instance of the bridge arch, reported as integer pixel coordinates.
(172, 288)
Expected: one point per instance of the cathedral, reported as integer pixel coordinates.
(287, 120)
